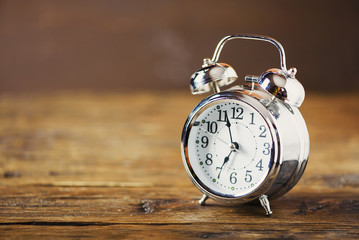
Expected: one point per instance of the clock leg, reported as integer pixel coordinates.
(265, 204)
(202, 201)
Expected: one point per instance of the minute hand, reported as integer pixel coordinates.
(228, 124)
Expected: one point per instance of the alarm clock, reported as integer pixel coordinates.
(249, 142)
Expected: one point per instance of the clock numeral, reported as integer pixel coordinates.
(248, 177)
(233, 178)
(222, 116)
(263, 133)
(266, 150)
(204, 141)
(260, 165)
(212, 127)
(209, 160)
(237, 113)
(252, 119)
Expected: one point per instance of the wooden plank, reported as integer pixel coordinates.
(109, 165)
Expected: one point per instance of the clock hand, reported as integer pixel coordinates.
(226, 159)
(220, 139)
(234, 145)
(228, 124)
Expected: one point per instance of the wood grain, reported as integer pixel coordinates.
(95, 165)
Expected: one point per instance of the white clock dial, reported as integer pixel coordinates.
(229, 148)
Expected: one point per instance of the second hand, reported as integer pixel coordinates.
(220, 139)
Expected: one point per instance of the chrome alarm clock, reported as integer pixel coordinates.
(249, 142)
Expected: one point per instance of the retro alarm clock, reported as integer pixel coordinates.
(250, 142)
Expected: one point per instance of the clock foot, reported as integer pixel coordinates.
(202, 201)
(265, 204)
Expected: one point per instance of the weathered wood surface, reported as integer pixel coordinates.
(108, 165)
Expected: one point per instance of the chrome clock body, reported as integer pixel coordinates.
(248, 142)
(289, 147)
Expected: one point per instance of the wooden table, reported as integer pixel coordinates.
(96, 165)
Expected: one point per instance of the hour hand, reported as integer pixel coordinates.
(226, 159)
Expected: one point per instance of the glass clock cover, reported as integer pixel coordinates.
(229, 148)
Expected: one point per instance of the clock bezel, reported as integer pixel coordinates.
(252, 101)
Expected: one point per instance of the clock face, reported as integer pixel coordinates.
(229, 148)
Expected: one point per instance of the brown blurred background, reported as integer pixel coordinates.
(119, 45)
